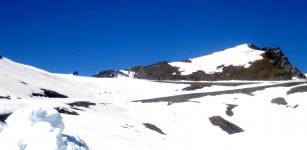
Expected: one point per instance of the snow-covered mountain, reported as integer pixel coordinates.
(59, 111)
(242, 62)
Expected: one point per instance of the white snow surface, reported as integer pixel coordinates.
(116, 122)
(241, 55)
(35, 128)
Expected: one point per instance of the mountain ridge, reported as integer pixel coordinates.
(242, 62)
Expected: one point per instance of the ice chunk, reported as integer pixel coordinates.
(28, 116)
(36, 128)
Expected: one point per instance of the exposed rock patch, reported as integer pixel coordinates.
(49, 93)
(85, 104)
(195, 87)
(225, 125)
(5, 97)
(153, 127)
(279, 101)
(64, 110)
(23, 82)
(126, 126)
(110, 74)
(200, 85)
(158, 71)
(186, 61)
(298, 89)
(187, 97)
(229, 109)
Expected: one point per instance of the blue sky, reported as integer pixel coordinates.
(89, 36)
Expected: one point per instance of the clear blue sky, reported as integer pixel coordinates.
(89, 36)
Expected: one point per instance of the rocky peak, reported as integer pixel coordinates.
(110, 74)
(279, 60)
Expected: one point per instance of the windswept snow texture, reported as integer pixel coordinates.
(241, 55)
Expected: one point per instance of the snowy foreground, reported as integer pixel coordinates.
(126, 113)
(37, 128)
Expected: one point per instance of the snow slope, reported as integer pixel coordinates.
(141, 114)
(241, 55)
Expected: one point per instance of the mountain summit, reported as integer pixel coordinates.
(242, 62)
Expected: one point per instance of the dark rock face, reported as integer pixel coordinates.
(1, 57)
(153, 127)
(110, 74)
(279, 60)
(49, 93)
(279, 101)
(274, 66)
(225, 125)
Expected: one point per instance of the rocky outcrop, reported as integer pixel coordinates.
(158, 71)
(279, 60)
(153, 127)
(274, 66)
(49, 93)
(229, 109)
(279, 101)
(110, 74)
(225, 125)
